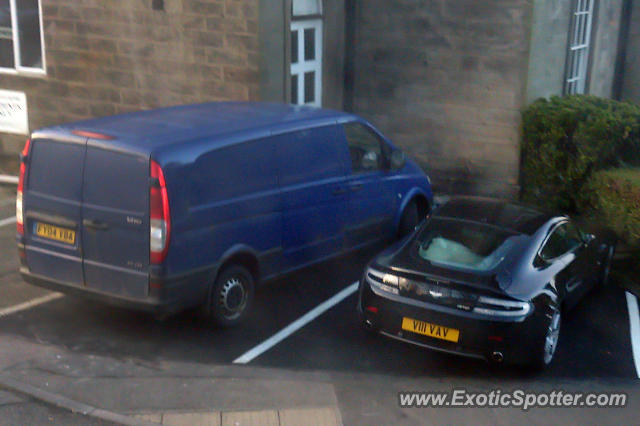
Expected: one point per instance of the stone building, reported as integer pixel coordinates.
(445, 79)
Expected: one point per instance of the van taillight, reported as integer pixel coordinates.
(23, 171)
(160, 221)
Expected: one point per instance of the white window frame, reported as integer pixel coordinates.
(579, 47)
(306, 7)
(19, 69)
(301, 67)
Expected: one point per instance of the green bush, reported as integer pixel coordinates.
(567, 139)
(614, 195)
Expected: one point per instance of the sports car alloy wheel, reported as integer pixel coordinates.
(551, 339)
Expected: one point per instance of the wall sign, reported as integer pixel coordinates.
(13, 112)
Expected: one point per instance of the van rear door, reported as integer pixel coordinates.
(115, 220)
(52, 205)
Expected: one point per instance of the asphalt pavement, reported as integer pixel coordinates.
(97, 354)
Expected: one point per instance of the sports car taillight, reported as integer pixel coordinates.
(23, 171)
(433, 292)
(501, 307)
(160, 220)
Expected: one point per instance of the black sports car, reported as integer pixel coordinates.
(483, 278)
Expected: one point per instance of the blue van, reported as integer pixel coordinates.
(193, 205)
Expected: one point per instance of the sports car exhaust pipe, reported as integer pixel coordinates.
(497, 357)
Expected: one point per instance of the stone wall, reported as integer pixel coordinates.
(446, 80)
(549, 41)
(112, 56)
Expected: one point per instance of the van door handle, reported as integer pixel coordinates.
(338, 191)
(355, 187)
(95, 224)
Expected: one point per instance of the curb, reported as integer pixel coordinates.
(69, 404)
(320, 416)
(328, 416)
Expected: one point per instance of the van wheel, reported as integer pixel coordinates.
(231, 296)
(409, 219)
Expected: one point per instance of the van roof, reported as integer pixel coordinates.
(150, 129)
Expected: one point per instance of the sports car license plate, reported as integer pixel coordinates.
(56, 233)
(431, 330)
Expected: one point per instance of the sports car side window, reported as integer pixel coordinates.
(574, 239)
(557, 244)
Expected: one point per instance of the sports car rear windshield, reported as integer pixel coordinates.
(463, 244)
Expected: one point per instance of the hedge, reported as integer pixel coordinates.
(615, 197)
(567, 139)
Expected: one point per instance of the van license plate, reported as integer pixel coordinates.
(431, 330)
(56, 233)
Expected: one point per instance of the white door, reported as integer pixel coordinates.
(306, 62)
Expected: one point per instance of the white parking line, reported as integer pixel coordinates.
(296, 325)
(634, 326)
(29, 304)
(7, 221)
(9, 179)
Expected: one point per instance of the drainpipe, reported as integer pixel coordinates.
(621, 57)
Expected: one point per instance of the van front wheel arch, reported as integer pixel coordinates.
(231, 296)
(413, 213)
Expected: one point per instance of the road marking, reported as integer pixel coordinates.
(29, 304)
(296, 325)
(7, 221)
(8, 179)
(634, 326)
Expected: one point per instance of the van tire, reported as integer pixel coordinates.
(409, 219)
(231, 296)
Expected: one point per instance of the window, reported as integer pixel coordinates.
(565, 238)
(306, 53)
(308, 155)
(21, 38)
(233, 171)
(465, 245)
(578, 56)
(367, 150)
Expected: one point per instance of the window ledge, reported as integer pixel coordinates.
(34, 73)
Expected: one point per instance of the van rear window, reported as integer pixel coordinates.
(116, 180)
(55, 169)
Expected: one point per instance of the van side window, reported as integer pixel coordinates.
(233, 171)
(366, 149)
(309, 155)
